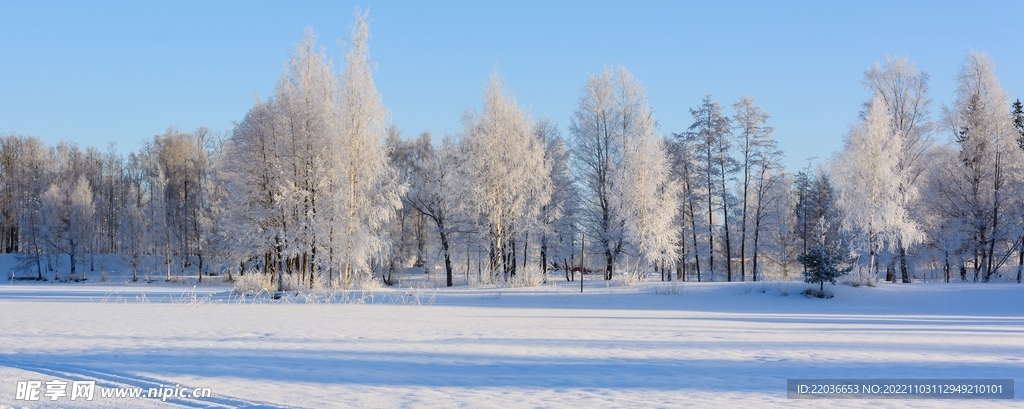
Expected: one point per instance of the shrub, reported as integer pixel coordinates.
(253, 282)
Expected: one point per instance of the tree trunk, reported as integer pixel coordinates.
(696, 248)
(681, 267)
(945, 266)
(977, 266)
(997, 183)
(1020, 260)
(447, 258)
(728, 241)
(583, 258)
(544, 256)
(711, 241)
(872, 264)
(608, 264)
(512, 258)
(904, 271)
(757, 238)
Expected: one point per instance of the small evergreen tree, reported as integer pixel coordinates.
(823, 262)
(1018, 121)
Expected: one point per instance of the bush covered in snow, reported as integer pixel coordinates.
(252, 282)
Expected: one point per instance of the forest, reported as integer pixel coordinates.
(314, 188)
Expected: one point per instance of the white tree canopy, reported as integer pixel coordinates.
(644, 192)
(508, 179)
(867, 172)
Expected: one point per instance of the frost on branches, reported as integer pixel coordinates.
(869, 180)
(643, 191)
(308, 181)
(507, 177)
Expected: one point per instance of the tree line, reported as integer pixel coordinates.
(314, 186)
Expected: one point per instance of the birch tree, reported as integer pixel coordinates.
(944, 221)
(251, 182)
(868, 178)
(27, 173)
(134, 225)
(691, 218)
(366, 192)
(612, 108)
(432, 192)
(904, 91)
(307, 99)
(507, 177)
(68, 210)
(559, 216)
(306, 174)
(979, 186)
(596, 149)
(644, 191)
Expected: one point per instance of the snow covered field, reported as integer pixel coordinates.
(647, 345)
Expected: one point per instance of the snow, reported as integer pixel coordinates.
(652, 344)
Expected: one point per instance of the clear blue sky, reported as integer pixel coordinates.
(100, 72)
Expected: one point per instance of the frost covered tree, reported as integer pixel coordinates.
(980, 183)
(760, 165)
(769, 187)
(869, 180)
(904, 91)
(308, 114)
(596, 151)
(275, 172)
(68, 210)
(134, 224)
(709, 135)
(22, 180)
(558, 219)
(943, 223)
(408, 232)
(781, 244)
(306, 175)
(251, 180)
(643, 189)
(1017, 112)
(507, 178)
(181, 160)
(366, 191)
(26, 174)
(433, 191)
(690, 217)
(815, 197)
(612, 109)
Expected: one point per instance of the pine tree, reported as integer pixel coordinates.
(823, 262)
(1018, 121)
(1018, 124)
